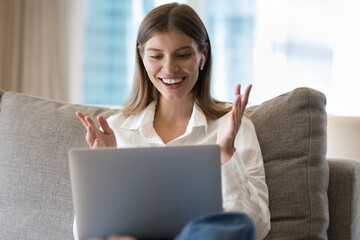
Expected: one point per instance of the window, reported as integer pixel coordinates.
(310, 43)
(277, 45)
(106, 66)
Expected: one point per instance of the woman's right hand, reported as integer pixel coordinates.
(94, 136)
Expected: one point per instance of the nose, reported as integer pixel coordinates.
(170, 65)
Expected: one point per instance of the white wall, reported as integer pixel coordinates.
(343, 137)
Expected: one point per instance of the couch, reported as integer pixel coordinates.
(311, 197)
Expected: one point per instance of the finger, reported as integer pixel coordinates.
(237, 89)
(239, 106)
(235, 127)
(82, 119)
(94, 128)
(236, 101)
(96, 143)
(105, 125)
(91, 123)
(234, 118)
(245, 97)
(90, 138)
(238, 112)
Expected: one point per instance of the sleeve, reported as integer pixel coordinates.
(243, 180)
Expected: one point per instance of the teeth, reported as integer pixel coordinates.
(172, 80)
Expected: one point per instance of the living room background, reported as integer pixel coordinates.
(276, 45)
(50, 49)
(82, 51)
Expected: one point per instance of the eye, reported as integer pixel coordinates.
(155, 57)
(185, 55)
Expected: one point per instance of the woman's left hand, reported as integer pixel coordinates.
(231, 124)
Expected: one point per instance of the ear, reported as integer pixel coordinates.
(140, 56)
(202, 61)
(204, 55)
(140, 52)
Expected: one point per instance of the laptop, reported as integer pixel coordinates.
(147, 193)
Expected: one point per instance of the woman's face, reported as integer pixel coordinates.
(172, 63)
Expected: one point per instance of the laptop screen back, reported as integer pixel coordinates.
(143, 192)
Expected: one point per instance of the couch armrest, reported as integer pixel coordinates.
(344, 199)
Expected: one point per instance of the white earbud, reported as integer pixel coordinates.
(202, 61)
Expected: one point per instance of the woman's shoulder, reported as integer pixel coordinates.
(117, 118)
(124, 120)
(247, 126)
(246, 119)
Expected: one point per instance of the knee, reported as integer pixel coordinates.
(225, 225)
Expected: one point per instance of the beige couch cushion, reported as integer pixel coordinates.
(35, 192)
(291, 129)
(344, 199)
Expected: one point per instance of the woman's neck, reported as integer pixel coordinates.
(174, 110)
(171, 118)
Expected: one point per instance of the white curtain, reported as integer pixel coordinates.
(34, 47)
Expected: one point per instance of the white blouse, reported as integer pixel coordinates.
(243, 177)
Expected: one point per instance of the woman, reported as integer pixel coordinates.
(170, 104)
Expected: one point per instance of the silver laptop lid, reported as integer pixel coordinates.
(143, 192)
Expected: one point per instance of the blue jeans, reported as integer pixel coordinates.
(219, 226)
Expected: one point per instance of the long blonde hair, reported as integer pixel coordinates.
(166, 18)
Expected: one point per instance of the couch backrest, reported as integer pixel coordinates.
(36, 134)
(291, 129)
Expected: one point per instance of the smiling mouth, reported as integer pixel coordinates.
(171, 81)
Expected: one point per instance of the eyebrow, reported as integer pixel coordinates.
(178, 49)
